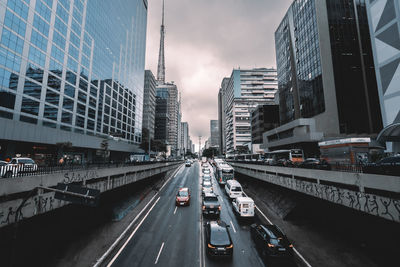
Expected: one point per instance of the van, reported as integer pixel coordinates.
(243, 207)
(233, 189)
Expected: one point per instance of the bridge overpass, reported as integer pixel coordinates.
(13, 191)
(378, 195)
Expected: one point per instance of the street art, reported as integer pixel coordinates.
(71, 177)
(381, 206)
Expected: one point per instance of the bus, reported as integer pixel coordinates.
(249, 157)
(349, 151)
(223, 173)
(284, 157)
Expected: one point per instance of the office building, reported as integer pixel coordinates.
(185, 138)
(71, 73)
(384, 23)
(221, 115)
(214, 133)
(263, 119)
(243, 92)
(161, 115)
(149, 103)
(325, 66)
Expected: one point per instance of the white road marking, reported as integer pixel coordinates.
(233, 227)
(159, 253)
(133, 233)
(175, 209)
(295, 250)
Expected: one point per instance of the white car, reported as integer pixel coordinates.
(207, 187)
(6, 170)
(243, 206)
(24, 165)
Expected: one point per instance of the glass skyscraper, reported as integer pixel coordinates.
(72, 71)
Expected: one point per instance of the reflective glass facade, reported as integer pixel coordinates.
(74, 65)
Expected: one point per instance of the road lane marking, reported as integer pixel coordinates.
(133, 233)
(295, 250)
(175, 209)
(233, 227)
(112, 247)
(159, 253)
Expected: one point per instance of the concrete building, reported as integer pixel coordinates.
(325, 66)
(149, 102)
(185, 138)
(161, 115)
(71, 73)
(214, 133)
(263, 119)
(384, 23)
(221, 115)
(243, 92)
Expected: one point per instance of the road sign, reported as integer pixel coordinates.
(77, 194)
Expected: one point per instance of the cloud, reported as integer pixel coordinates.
(205, 40)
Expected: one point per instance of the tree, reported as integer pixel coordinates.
(210, 152)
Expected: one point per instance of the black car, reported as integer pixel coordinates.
(271, 242)
(314, 163)
(385, 166)
(210, 204)
(218, 239)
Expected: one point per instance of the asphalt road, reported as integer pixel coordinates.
(173, 236)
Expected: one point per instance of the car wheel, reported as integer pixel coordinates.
(8, 175)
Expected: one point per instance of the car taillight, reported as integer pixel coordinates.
(271, 245)
(290, 246)
(204, 207)
(210, 246)
(231, 246)
(219, 207)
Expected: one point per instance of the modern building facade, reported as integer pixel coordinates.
(325, 66)
(185, 138)
(263, 119)
(149, 103)
(221, 115)
(214, 133)
(243, 92)
(71, 72)
(161, 115)
(384, 23)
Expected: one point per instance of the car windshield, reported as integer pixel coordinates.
(183, 193)
(236, 188)
(219, 237)
(211, 199)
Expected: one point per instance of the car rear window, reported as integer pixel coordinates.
(215, 199)
(219, 237)
(236, 189)
(183, 193)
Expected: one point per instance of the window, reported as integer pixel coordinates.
(32, 89)
(12, 41)
(9, 59)
(41, 25)
(68, 104)
(36, 56)
(50, 112)
(69, 90)
(30, 106)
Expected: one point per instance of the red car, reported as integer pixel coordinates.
(183, 197)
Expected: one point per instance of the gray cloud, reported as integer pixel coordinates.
(205, 39)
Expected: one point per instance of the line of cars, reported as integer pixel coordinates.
(16, 167)
(269, 240)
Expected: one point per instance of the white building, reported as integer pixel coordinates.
(245, 90)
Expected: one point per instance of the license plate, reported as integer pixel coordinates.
(221, 249)
(211, 206)
(282, 249)
(182, 203)
(211, 211)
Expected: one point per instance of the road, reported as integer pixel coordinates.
(173, 236)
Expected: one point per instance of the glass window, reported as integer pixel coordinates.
(8, 79)
(78, 5)
(43, 10)
(73, 52)
(81, 109)
(56, 67)
(15, 23)
(82, 97)
(59, 40)
(75, 40)
(92, 102)
(86, 50)
(66, 117)
(50, 112)
(10, 60)
(39, 40)
(92, 113)
(76, 27)
(57, 53)
(30, 106)
(32, 89)
(60, 26)
(80, 121)
(72, 64)
(7, 100)
(65, 3)
(19, 7)
(83, 85)
(90, 125)
(41, 25)
(28, 119)
(12, 41)
(62, 13)
(69, 90)
(68, 104)
(36, 56)
(49, 124)
(71, 77)
(52, 97)
(54, 82)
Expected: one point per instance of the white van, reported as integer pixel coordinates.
(243, 207)
(233, 189)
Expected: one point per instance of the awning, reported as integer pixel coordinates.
(390, 133)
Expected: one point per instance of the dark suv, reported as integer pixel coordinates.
(218, 239)
(210, 205)
(271, 242)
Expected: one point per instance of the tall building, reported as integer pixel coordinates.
(384, 23)
(263, 118)
(214, 133)
(161, 115)
(221, 115)
(71, 73)
(185, 138)
(243, 92)
(325, 66)
(149, 103)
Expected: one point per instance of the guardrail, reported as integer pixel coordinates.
(9, 171)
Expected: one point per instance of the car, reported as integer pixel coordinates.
(233, 189)
(6, 170)
(206, 177)
(24, 165)
(385, 166)
(310, 163)
(207, 187)
(206, 171)
(204, 164)
(183, 197)
(271, 242)
(188, 164)
(218, 239)
(243, 207)
(210, 204)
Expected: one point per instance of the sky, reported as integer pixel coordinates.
(205, 40)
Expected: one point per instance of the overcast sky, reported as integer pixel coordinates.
(205, 40)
